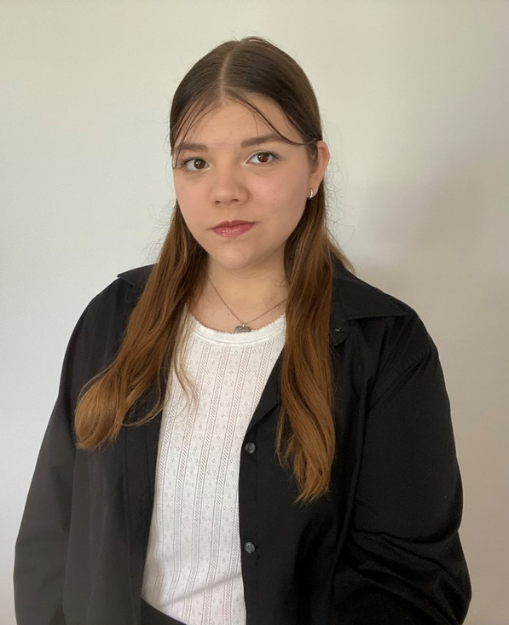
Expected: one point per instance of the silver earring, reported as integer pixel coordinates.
(311, 194)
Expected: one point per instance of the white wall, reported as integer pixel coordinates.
(415, 99)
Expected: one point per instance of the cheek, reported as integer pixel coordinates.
(187, 185)
(289, 191)
(190, 216)
(291, 201)
(189, 200)
(182, 191)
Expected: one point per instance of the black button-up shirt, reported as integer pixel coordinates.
(380, 548)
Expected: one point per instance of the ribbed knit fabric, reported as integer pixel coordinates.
(193, 570)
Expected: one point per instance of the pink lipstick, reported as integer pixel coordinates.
(232, 228)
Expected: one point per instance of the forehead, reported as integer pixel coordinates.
(231, 119)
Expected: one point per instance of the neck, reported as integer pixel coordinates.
(251, 287)
(230, 296)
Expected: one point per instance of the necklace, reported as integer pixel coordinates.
(244, 325)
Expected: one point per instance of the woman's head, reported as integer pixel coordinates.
(242, 189)
(255, 75)
(238, 69)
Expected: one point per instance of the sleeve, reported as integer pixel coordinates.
(41, 546)
(402, 561)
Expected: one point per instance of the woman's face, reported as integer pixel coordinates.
(241, 189)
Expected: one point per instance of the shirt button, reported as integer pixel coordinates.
(250, 448)
(249, 547)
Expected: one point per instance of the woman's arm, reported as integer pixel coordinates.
(403, 561)
(42, 541)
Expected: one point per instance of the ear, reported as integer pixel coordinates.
(320, 165)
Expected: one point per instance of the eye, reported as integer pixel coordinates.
(194, 164)
(263, 158)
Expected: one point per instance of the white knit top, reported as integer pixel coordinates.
(193, 570)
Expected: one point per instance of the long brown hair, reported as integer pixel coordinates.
(305, 438)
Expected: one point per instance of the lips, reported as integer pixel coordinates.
(232, 228)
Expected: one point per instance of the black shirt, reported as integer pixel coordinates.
(381, 547)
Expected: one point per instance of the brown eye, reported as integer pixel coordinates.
(194, 164)
(263, 158)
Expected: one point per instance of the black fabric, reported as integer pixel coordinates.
(382, 543)
(151, 616)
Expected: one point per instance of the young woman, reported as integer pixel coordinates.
(246, 433)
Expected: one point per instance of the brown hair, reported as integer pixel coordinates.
(305, 438)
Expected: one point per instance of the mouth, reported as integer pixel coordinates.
(232, 228)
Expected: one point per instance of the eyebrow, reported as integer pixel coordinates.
(263, 139)
(201, 147)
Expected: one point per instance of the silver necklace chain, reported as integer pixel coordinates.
(244, 327)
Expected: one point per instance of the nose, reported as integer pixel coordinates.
(228, 185)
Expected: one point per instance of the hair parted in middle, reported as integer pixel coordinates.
(305, 439)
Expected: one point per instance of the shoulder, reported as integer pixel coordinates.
(120, 296)
(136, 278)
(354, 298)
(375, 324)
(100, 329)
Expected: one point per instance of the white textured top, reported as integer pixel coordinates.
(193, 571)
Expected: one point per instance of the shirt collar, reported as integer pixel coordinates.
(353, 298)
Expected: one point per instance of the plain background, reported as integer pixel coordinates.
(415, 101)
